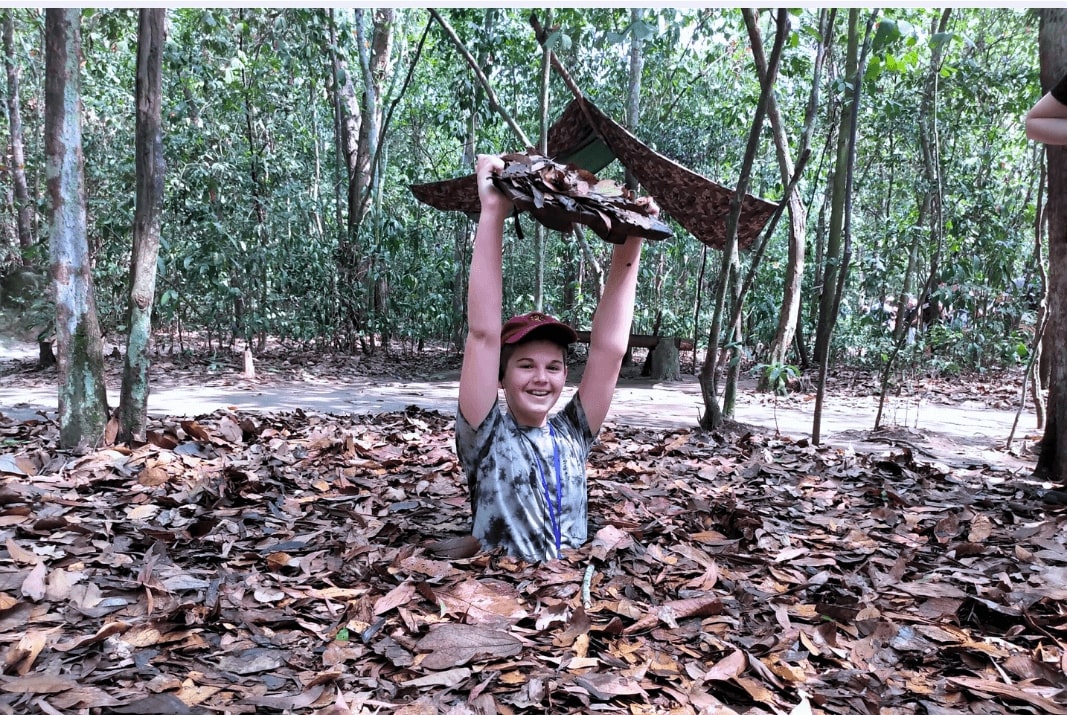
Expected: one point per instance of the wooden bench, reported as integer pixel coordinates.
(662, 362)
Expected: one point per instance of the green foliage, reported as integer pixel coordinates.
(777, 376)
(254, 212)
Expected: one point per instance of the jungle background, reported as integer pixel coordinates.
(300, 562)
(265, 231)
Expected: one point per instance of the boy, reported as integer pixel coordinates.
(526, 470)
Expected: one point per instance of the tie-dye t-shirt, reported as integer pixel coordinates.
(508, 468)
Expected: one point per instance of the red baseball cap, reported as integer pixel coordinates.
(536, 325)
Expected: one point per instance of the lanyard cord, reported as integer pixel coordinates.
(554, 515)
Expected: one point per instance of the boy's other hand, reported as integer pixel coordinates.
(491, 197)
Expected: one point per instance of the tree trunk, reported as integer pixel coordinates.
(633, 91)
(906, 299)
(1052, 462)
(789, 312)
(591, 261)
(464, 231)
(633, 118)
(375, 63)
(83, 411)
(837, 243)
(359, 119)
(542, 147)
(733, 367)
(835, 234)
(340, 131)
(713, 414)
(150, 169)
(930, 210)
(22, 201)
(347, 119)
(375, 67)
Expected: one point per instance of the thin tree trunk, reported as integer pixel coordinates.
(831, 259)
(375, 58)
(590, 260)
(930, 210)
(697, 300)
(249, 284)
(798, 216)
(83, 411)
(347, 118)
(633, 91)
(713, 415)
(22, 201)
(375, 64)
(906, 297)
(633, 119)
(359, 121)
(542, 148)
(838, 245)
(341, 131)
(464, 230)
(149, 168)
(579, 234)
(494, 103)
(733, 366)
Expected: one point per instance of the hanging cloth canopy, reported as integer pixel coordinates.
(699, 204)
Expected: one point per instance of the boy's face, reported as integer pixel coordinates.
(533, 380)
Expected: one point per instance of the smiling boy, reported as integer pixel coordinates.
(526, 469)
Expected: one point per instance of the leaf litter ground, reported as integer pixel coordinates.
(314, 563)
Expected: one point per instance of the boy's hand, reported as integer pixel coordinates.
(651, 208)
(491, 197)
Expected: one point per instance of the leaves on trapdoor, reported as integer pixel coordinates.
(561, 195)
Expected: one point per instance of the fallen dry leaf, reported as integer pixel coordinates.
(453, 644)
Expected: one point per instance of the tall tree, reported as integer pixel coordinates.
(839, 239)
(543, 123)
(930, 207)
(633, 88)
(83, 411)
(463, 231)
(360, 123)
(23, 204)
(789, 311)
(1052, 462)
(714, 413)
(636, 69)
(149, 172)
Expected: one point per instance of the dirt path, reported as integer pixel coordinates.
(958, 432)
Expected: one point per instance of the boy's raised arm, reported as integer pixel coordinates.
(478, 379)
(610, 334)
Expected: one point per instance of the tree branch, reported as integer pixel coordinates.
(490, 94)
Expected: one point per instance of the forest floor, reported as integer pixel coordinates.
(294, 542)
(956, 419)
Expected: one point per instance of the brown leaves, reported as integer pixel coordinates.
(449, 645)
(321, 564)
(561, 195)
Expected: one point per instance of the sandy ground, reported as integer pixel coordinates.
(960, 434)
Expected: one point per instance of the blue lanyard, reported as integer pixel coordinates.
(554, 516)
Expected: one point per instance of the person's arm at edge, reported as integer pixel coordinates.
(610, 333)
(1046, 122)
(478, 379)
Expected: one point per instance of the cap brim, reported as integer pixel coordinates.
(556, 332)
